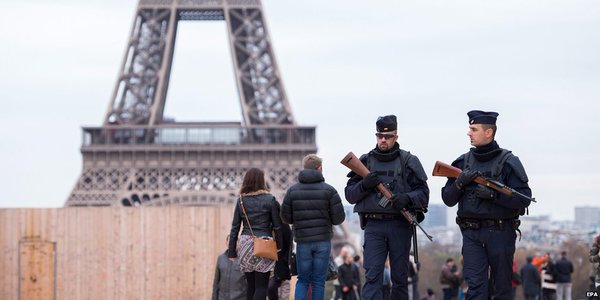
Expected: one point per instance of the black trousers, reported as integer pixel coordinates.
(274, 285)
(257, 285)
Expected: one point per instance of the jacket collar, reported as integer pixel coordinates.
(256, 193)
(310, 176)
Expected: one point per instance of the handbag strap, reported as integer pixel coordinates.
(246, 215)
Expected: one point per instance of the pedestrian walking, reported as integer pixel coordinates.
(258, 211)
(312, 207)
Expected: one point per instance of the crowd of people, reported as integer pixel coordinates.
(488, 220)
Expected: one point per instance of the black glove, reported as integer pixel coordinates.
(370, 181)
(465, 177)
(400, 201)
(485, 193)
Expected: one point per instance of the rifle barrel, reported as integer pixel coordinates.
(504, 186)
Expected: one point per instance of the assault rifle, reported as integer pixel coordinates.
(354, 164)
(446, 170)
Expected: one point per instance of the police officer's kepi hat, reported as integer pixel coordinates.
(386, 123)
(482, 117)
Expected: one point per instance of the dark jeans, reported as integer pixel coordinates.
(312, 262)
(447, 293)
(257, 285)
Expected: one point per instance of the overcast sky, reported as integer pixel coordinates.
(343, 64)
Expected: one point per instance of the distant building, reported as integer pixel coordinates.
(587, 215)
(436, 216)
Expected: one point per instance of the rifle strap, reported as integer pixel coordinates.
(246, 215)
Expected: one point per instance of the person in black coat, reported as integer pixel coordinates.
(281, 273)
(348, 277)
(312, 206)
(564, 269)
(256, 214)
(531, 280)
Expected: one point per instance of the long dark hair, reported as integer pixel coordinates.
(254, 180)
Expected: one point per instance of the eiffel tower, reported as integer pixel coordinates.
(137, 158)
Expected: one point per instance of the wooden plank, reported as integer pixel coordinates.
(5, 228)
(189, 267)
(135, 263)
(123, 234)
(105, 253)
(153, 244)
(174, 254)
(36, 278)
(60, 236)
(17, 233)
(201, 241)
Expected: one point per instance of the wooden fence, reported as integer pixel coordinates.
(111, 253)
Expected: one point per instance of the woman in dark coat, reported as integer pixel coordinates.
(262, 211)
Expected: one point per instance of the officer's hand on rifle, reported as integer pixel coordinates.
(370, 181)
(485, 193)
(400, 201)
(465, 177)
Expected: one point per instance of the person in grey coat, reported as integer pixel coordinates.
(531, 280)
(229, 282)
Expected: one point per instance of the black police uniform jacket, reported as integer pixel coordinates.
(397, 168)
(312, 206)
(495, 163)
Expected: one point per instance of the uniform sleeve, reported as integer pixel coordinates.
(354, 191)
(235, 230)
(450, 193)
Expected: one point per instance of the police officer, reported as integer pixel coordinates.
(387, 232)
(488, 220)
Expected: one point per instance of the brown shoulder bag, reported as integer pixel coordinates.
(264, 246)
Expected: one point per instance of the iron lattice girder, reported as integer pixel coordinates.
(137, 159)
(139, 97)
(136, 87)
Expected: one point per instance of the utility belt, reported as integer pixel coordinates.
(470, 223)
(382, 216)
(363, 217)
